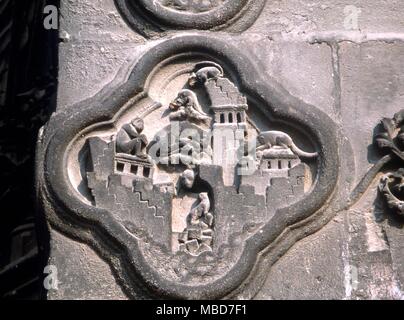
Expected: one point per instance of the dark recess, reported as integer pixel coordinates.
(28, 84)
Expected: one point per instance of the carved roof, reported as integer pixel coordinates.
(279, 153)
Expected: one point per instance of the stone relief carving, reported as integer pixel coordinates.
(391, 141)
(277, 175)
(197, 238)
(187, 107)
(391, 137)
(130, 141)
(153, 17)
(391, 187)
(271, 139)
(192, 6)
(191, 178)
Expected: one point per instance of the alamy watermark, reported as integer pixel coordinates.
(51, 281)
(222, 146)
(51, 20)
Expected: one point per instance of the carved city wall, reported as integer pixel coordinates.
(227, 149)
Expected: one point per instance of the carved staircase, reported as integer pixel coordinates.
(147, 204)
(224, 93)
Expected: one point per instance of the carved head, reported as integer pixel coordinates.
(183, 98)
(138, 124)
(398, 119)
(193, 80)
(188, 178)
(261, 139)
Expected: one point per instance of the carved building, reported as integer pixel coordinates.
(230, 124)
(279, 164)
(230, 215)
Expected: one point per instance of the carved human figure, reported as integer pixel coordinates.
(188, 179)
(271, 139)
(186, 107)
(130, 139)
(200, 216)
(399, 118)
(198, 236)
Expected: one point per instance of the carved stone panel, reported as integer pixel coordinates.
(185, 176)
(151, 17)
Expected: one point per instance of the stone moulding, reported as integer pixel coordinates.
(151, 17)
(66, 210)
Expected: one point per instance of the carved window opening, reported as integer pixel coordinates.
(146, 172)
(134, 169)
(230, 118)
(120, 167)
(222, 120)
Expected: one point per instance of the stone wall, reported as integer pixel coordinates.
(351, 69)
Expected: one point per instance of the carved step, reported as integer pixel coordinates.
(147, 204)
(232, 92)
(217, 96)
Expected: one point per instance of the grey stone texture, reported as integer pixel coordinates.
(355, 76)
(76, 266)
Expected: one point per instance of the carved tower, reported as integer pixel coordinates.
(230, 125)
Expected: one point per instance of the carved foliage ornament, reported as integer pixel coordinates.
(184, 176)
(151, 17)
(391, 140)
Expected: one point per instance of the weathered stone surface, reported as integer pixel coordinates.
(350, 250)
(81, 273)
(312, 269)
(299, 17)
(372, 87)
(76, 68)
(304, 69)
(94, 21)
(353, 257)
